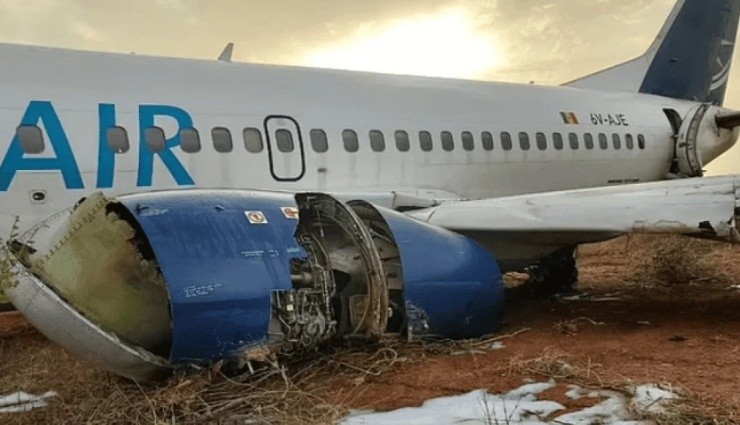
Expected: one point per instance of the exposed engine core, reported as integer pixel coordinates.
(341, 289)
(700, 140)
(143, 283)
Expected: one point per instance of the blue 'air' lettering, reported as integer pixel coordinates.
(42, 114)
(106, 156)
(146, 156)
(63, 161)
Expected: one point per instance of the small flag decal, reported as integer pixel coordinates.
(569, 118)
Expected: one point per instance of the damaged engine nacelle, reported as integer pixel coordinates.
(701, 138)
(143, 283)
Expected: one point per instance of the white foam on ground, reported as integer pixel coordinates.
(498, 345)
(23, 402)
(649, 398)
(521, 407)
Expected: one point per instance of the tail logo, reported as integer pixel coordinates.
(720, 79)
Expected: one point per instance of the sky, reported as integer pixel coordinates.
(545, 41)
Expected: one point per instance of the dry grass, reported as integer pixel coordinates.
(689, 409)
(297, 392)
(315, 390)
(320, 389)
(669, 264)
(304, 391)
(683, 261)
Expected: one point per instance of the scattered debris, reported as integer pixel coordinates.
(487, 341)
(515, 279)
(587, 297)
(571, 327)
(23, 402)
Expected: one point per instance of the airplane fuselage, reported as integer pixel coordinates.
(309, 129)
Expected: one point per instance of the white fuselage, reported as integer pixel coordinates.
(87, 91)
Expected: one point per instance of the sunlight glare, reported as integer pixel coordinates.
(445, 44)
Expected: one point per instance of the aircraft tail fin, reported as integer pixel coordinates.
(690, 59)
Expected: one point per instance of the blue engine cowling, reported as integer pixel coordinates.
(252, 274)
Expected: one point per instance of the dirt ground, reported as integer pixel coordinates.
(658, 310)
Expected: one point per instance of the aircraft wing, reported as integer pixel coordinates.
(702, 207)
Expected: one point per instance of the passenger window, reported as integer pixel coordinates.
(641, 141)
(524, 141)
(377, 141)
(617, 141)
(117, 139)
(31, 139)
(603, 141)
(467, 141)
(487, 139)
(190, 140)
(425, 141)
(403, 144)
(541, 141)
(588, 140)
(506, 141)
(318, 140)
(349, 138)
(573, 139)
(448, 143)
(222, 141)
(154, 139)
(252, 140)
(557, 141)
(629, 141)
(284, 140)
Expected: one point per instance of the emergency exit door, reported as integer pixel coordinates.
(285, 148)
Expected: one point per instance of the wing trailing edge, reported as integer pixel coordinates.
(705, 207)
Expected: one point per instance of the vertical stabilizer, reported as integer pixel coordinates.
(690, 59)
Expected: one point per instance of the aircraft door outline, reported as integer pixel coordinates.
(285, 148)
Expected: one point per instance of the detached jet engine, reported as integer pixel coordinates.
(143, 284)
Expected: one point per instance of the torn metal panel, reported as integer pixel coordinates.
(93, 265)
(64, 325)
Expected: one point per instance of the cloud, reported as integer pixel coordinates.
(443, 44)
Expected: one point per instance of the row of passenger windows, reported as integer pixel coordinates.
(32, 140)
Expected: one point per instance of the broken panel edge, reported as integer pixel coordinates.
(61, 323)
